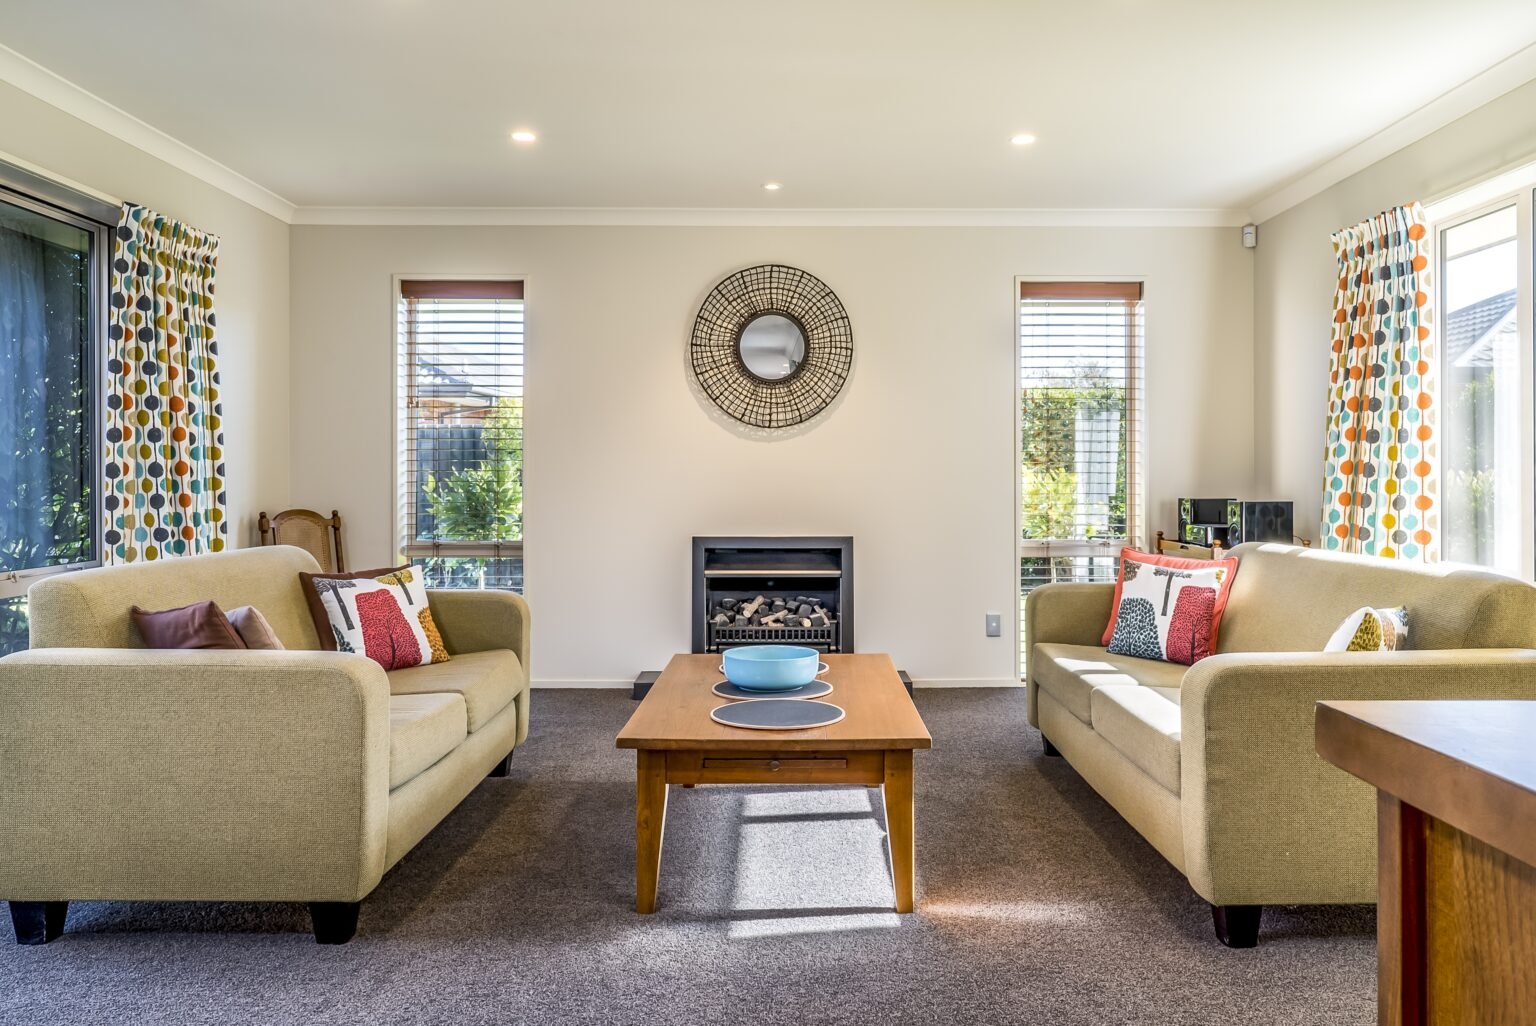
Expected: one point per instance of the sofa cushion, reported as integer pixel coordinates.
(487, 680)
(198, 625)
(1144, 727)
(1371, 630)
(254, 629)
(1168, 608)
(312, 584)
(386, 618)
(1071, 673)
(423, 729)
(1289, 599)
(91, 610)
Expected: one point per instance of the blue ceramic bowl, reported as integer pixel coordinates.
(771, 667)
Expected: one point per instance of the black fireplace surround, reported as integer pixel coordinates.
(730, 573)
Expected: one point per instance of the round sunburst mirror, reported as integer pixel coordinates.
(772, 346)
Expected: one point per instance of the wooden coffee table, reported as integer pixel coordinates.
(676, 742)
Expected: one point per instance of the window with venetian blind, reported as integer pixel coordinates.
(460, 431)
(1080, 430)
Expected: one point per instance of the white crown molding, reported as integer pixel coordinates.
(752, 217)
(36, 80)
(1511, 73)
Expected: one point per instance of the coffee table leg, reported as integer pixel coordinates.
(650, 818)
(899, 824)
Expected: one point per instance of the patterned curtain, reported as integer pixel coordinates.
(165, 441)
(1380, 488)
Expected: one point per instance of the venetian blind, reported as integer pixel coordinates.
(1080, 429)
(461, 429)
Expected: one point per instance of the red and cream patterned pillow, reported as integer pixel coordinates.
(382, 614)
(1168, 608)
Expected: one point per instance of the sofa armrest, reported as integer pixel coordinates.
(1064, 614)
(1266, 820)
(480, 621)
(192, 775)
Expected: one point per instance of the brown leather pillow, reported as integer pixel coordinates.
(199, 625)
(317, 611)
(254, 629)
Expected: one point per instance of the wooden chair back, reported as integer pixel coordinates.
(1184, 550)
(320, 536)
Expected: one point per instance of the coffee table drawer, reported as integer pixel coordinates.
(775, 767)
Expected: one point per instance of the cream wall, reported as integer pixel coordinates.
(625, 462)
(1295, 275)
(252, 284)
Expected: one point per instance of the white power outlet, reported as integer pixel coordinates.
(994, 625)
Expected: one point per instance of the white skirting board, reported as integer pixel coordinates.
(917, 682)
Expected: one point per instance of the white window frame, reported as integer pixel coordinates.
(399, 372)
(1468, 205)
(1136, 467)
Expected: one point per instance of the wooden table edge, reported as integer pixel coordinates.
(1334, 744)
(764, 741)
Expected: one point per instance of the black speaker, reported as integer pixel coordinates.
(1205, 535)
(1203, 521)
(1268, 521)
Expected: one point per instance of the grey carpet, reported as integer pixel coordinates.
(1037, 904)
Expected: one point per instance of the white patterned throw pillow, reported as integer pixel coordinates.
(1371, 630)
(1168, 609)
(385, 618)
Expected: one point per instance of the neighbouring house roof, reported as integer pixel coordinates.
(1471, 331)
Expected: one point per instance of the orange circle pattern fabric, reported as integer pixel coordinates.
(1380, 479)
(164, 465)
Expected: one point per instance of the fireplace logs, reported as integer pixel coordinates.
(763, 611)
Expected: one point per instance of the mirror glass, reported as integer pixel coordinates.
(772, 347)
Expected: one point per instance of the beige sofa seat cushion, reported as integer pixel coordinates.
(1071, 673)
(1144, 727)
(487, 680)
(423, 729)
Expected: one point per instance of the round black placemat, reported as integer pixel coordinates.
(777, 714)
(815, 689)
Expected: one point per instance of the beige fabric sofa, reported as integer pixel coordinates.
(1215, 764)
(302, 775)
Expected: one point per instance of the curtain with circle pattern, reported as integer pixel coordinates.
(164, 493)
(1380, 487)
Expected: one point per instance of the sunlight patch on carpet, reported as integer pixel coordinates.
(825, 801)
(799, 874)
(800, 925)
(937, 908)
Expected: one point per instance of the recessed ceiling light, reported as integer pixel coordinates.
(524, 136)
(773, 186)
(1022, 139)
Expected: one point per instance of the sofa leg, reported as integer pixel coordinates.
(502, 768)
(38, 922)
(334, 922)
(1050, 749)
(1237, 926)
